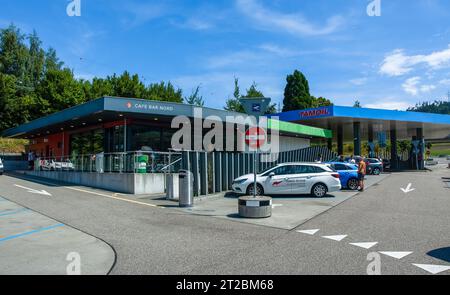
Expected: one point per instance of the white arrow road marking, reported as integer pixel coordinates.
(335, 238)
(33, 191)
(408, 189)
(308, 231)
(366, 245)
(397, 255)
(431, 268)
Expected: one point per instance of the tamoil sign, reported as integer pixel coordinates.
(316, 113)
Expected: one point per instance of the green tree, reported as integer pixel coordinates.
(164, 92)
(59, 90)
(233, 104)
(14, 109)
(296, 93)
(126, 85)
(357, 104)
(195, 98)
(320, 102)
(52, 61)
(36, 60)
(13, 53)
(100, 87)
(253, 92)
(437, 107)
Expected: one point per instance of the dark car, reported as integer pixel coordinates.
(374, 166)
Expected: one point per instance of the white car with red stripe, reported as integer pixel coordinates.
(291, 179)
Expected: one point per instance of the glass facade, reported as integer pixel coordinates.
(111, 140)
(150, 138)
(114, 139)
(89, 142)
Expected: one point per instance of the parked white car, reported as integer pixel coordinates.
(291, 179)
(2, 168)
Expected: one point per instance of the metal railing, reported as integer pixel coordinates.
(215, 171)
(126, 162)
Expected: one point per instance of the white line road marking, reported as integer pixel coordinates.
(95, 193)
(308, 231)
(33, 191)
(431, 268)
(408, 189)
(112, 197)
(336, 237)
(277, 205)
(366, 245)
(397, 255)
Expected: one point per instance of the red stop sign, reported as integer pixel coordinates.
(255, 137)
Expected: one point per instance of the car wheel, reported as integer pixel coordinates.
(353, 184)
(319, 190)
(259, 190)
(376, 171)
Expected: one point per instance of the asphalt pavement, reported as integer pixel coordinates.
(152, 239)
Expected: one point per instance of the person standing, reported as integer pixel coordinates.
(361, 173)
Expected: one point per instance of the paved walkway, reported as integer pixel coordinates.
(31, 243)
(288, 212)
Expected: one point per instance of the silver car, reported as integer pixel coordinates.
(291, 179)
(1, 167)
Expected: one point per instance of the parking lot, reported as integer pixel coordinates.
(150, 235)
(31, 243)
(288, 212)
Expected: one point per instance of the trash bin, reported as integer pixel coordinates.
(172, 187)
(141, 163)
(186, 188)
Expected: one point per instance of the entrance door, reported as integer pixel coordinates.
(299, 180)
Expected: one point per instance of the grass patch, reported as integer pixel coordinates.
(9, 145)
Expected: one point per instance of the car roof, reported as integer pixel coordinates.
(302, 163)
(343, 163)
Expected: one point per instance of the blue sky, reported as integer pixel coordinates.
(391, 61)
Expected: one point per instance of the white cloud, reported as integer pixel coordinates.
(237, 58)
(359, 81)
(389, 105)
(277, 50)
(445, 82)
(292, 23)
(427, 88)
(142, 12)
(413, 87)
(399, 64)
(197, 24)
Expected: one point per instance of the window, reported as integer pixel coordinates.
(285, 170)
(306, 169)
(340, 167)
(145, 138)
(90, 142)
